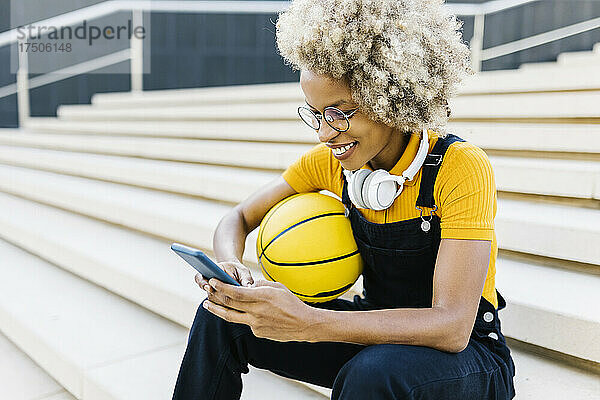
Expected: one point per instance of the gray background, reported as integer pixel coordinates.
(190, 50)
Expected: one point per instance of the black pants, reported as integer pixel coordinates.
(218, 352)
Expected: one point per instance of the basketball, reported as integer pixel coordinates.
(305, 242)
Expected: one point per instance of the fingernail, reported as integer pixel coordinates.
(205, 305)
(206, 287)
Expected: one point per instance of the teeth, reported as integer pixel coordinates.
(341, 150)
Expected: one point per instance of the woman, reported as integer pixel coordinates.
(376, 76)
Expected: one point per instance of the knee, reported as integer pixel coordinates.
(204, 316)
(369, 375)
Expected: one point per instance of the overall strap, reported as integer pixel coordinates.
(431, 166)
(345, 197)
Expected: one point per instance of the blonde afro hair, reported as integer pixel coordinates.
(402, 59)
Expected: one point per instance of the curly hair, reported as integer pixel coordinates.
(402, 59)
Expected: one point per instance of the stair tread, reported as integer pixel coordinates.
(171, 296)
(549, 137)
(22, 379)
(514, 174)
(90, 339)
(540, 378)
(535, 376)
(49, 311)
(145, 206)
(565, 104)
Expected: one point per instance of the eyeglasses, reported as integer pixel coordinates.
(334, 117)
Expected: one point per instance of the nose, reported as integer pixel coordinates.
(326, 133)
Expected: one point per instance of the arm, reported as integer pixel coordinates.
(458, 281)
(305, 174)
(230, 235)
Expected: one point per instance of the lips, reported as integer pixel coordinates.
(335, 146)
(347, 153)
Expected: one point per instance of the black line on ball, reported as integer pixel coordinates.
(262, 250)
(310, 262)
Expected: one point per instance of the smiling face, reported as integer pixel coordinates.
(373, 142)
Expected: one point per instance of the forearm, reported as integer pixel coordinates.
(431, 327)
(229, 239)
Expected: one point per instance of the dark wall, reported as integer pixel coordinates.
(191, 50)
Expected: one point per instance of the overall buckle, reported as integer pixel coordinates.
(433, 160)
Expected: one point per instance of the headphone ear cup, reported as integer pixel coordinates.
(355, 187)
(379, 196)
(367, 190)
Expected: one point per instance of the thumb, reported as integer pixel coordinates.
(245, 277)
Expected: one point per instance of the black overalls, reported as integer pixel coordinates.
(398, 272)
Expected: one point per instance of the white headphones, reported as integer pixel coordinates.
(376, 190)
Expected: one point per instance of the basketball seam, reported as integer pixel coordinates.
(271, 212)
(311, 262)
(262, 250)
(325, 294)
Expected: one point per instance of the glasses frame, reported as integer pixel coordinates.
(319, 117)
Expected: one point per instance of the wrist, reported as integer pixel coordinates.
(228, 259)
(318, 322)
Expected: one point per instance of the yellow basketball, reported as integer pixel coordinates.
(306, 243)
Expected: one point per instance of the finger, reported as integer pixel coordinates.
(228, 302)
(231, 271)
(246, 277)
(240, 293)
(202, 282)
(226, 313)
(264, 282)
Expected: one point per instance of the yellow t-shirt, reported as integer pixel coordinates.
(464, 191)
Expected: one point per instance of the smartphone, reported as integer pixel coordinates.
(202, 263)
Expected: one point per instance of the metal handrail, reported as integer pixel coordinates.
(135, 55)
(537, 40)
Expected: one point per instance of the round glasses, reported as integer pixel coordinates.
(334, 117)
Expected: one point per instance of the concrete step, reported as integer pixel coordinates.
(269, 92)
(535, 106)
(97, 344)
(22, 379)
(73, 135)
(248, 154)
(145, 270)
(549, 230)
(502, 81)
(539, 138)
(265, 131)
(579, 58)
(279, 111)
(150, 375)
(555, 105)
(190, 179)
(541, 378)
(70, 327)
(552, 306)
(529, 79)
(579, 179)
(583, 138)
(554, 65)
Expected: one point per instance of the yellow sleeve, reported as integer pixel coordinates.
(312, 171)
(465, 192)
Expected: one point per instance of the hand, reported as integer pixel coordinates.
(269, 308)
(236, 270)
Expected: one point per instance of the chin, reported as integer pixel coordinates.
(350, 165)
